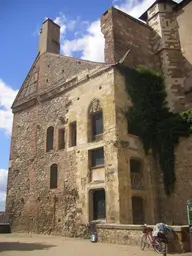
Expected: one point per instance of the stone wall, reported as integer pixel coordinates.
(32, 205)
(166, 46)
(172, 209)
(184, 23)
(160, 44)
(122, 33)
(131, 235)
(130, 147)
(158, 207)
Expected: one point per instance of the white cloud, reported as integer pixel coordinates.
(3, 188)
(61, 21)
(90, 44)
(66, 24)
(7, 95)
(136, 7)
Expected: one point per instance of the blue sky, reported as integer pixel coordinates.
(20, 22)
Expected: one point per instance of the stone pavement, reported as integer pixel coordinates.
(38, 245)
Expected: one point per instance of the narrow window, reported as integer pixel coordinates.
(73, 134)
(135, 166)
(53, 176)
(61, 139)
(50, 135)
(131, 128)
(97, 157)
(97, 123)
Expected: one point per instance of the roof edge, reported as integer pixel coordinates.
(82, 60)
(20, 89)
(129, 16)
(50, 20)
(144, 15)
(182, 4)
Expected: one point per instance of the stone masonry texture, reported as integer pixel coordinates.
(60, 90)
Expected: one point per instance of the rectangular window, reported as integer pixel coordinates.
(97, 157)
(50, 138)
(73, 134)
(97, 123)
(53, 176)
(61, 139)
(135, 166)
(131, 129)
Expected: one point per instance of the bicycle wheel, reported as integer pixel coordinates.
(143, 241)
(164, 249)
(157, 246)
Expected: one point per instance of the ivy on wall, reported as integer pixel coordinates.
(187, 116)
(150, 118)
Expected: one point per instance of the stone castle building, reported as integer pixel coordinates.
(72, 159)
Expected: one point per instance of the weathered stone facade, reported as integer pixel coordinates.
(131, 234)
(64, 94)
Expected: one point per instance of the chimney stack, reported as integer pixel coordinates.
(49, 39)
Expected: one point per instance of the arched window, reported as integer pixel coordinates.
(53, 176)
(95, 122)
(49, 139)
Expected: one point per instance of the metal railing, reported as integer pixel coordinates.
(137, 181)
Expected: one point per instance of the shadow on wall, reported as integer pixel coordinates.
(17, 246)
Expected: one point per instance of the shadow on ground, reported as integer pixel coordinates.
(18, 246)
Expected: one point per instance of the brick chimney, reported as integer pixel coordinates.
(49, 39)
(124, 33)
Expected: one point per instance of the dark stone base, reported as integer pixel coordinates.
(5, 229)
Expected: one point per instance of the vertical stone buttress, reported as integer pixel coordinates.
(125, 34)
(166, 46)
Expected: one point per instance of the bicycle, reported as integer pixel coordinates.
(148, 239)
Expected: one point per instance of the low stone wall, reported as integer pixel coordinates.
(131, 234)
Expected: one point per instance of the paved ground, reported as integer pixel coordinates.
(37, 245)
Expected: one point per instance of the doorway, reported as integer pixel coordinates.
(99, 211)
(137, 210)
